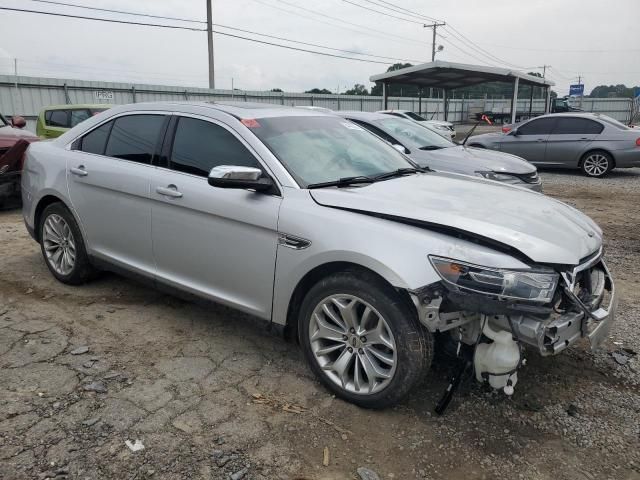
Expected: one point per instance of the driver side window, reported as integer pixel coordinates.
(541, 126)
(199, 146)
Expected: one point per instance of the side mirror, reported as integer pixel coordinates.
(246, 178)
(18, 122)
(513, 132)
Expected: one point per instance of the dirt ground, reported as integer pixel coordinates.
(212, 395)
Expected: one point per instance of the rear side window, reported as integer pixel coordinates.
(198, 146)
(135, 137)
(576, 126)
(96, 140)
(78, 116)
(58, 118)
(540, 126)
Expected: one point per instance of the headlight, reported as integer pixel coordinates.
(499, 177)
(442, 127)
(522, 285)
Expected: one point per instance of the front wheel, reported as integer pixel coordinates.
(363, 340)
(596, 164)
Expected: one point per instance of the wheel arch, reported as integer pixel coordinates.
(44, 202)
(318, 273)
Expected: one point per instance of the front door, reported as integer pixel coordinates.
(215, 242)
(529, 140)
(109, 174)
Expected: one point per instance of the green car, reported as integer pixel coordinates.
(55, 120)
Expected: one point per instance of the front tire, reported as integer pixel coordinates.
(596, 164)
(62, 246)
(363, 340)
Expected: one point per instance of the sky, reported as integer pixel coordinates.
(598, 41)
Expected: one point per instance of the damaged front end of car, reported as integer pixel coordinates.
(494, 313)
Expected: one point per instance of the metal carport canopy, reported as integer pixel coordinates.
(449, 76)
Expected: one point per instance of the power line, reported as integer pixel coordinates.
(367, 29)
(222, 26)
(110, 10)
(471, 44)
(400, 9)
(176, 27)
(381, 13)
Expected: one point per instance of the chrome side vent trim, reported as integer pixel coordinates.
(291, 241)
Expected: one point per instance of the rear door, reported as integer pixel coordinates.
(570, 138)
(109, 173)
(214, 242)
(530, 142)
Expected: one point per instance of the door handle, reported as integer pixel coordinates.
(79, 171)
(540, 140)
(169, 191)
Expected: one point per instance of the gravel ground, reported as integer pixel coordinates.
(211, 395)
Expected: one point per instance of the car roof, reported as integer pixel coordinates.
(370, 116)
(240, 110)
(395, 111)
(571, 114)
(73, 106)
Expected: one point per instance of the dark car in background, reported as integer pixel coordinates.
(594, 143)
(13, 143)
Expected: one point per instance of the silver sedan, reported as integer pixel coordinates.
(311, 223)
(594, 143)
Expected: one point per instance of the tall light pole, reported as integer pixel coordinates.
(212, 77)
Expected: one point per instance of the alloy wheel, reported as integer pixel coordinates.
(59, 244)
(353, 344)
(596, 165)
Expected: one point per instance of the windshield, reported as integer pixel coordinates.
(415, 116)
(414, 134)
(325, 149)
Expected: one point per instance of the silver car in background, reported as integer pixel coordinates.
(429, 149)
(312, 223)
(594, 143)
(441, 127)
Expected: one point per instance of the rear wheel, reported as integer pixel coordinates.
(362, 339)
(62, 246)
(596, 164)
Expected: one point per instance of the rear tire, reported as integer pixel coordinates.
(63, 247)
(596, 164)
(355, 320)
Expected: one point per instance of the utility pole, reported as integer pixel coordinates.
(434, 26)
(212, 78)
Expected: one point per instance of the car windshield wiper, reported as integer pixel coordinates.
(402, 171)
(430, 147)
(343, 182)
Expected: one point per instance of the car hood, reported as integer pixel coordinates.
(9, 136)
(492, 136)
(440, 122)
(543, 229)
(469, 160)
